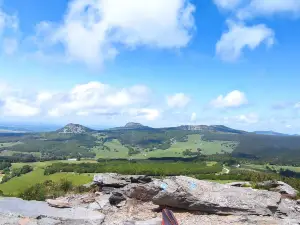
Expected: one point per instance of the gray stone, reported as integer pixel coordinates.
(36, 209)
(154, 221)
(103, 201)
(143, 192)
(284, 188)
(94, 206)
(279, 187)
(110, 180)
(198, 195)
(116, 198)
(140, 179)
(58, 203)
(288, 209)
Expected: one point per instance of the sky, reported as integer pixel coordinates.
(159, 62)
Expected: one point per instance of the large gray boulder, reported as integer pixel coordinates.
(198, 195)
(288, 209)
(114, 180)
(110, 180)
(280, 187)
(37, 209)
(143, 192)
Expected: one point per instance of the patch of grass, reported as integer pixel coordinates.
(194, 141)
(211, 163)
(9, 144)
(18, 184)
(48, 163)
(262, 167)
(11, 153)
(116, 150)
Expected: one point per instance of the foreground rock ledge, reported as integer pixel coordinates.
(135, 200)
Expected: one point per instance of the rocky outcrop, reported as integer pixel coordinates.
(197, 195)
(137, 200)
(280, 187)
(117, 181)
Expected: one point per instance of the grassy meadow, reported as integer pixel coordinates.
(262, 167)
(117, 150)
(19, 184)
(194, 142)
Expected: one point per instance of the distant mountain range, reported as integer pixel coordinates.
(271, 133)
(77, 128)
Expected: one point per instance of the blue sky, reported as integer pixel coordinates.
(159, 62)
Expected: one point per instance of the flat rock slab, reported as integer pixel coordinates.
(36, 209)
(197, 195)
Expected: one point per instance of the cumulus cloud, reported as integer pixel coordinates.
(250, 118)
(193, 117)
(89, 99)
(178, 100)
(14, 107)
(228, 4)
(297, 105)
(268, 8)
(9, 25)
(239, 36)
(14, 104)
(145, 113)
(10, 45)
(235, 98)
(249, 9)
(94, 98)
(105, 25)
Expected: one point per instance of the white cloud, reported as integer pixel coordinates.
(239, 37)
(43, 97)
(193, 117)
(269, 7)
(13, 107)
(297, 105)
(104, 25)
(10, 45)
(89, 99)
(95, 98)
(9, 25)
(144, 113)
(250, 118)
(235, 98)
(288, 126)
(228, 4)
(179, 100)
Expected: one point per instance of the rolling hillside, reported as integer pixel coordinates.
(135, 140)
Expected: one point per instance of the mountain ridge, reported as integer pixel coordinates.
(72, 128)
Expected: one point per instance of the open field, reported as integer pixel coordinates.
(116, 150)
(48, 163)
(11, 153)
(9, 144)
(261, 167)
(18, 184)
(194, 142)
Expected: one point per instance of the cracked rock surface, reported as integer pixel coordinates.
(137, 200)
